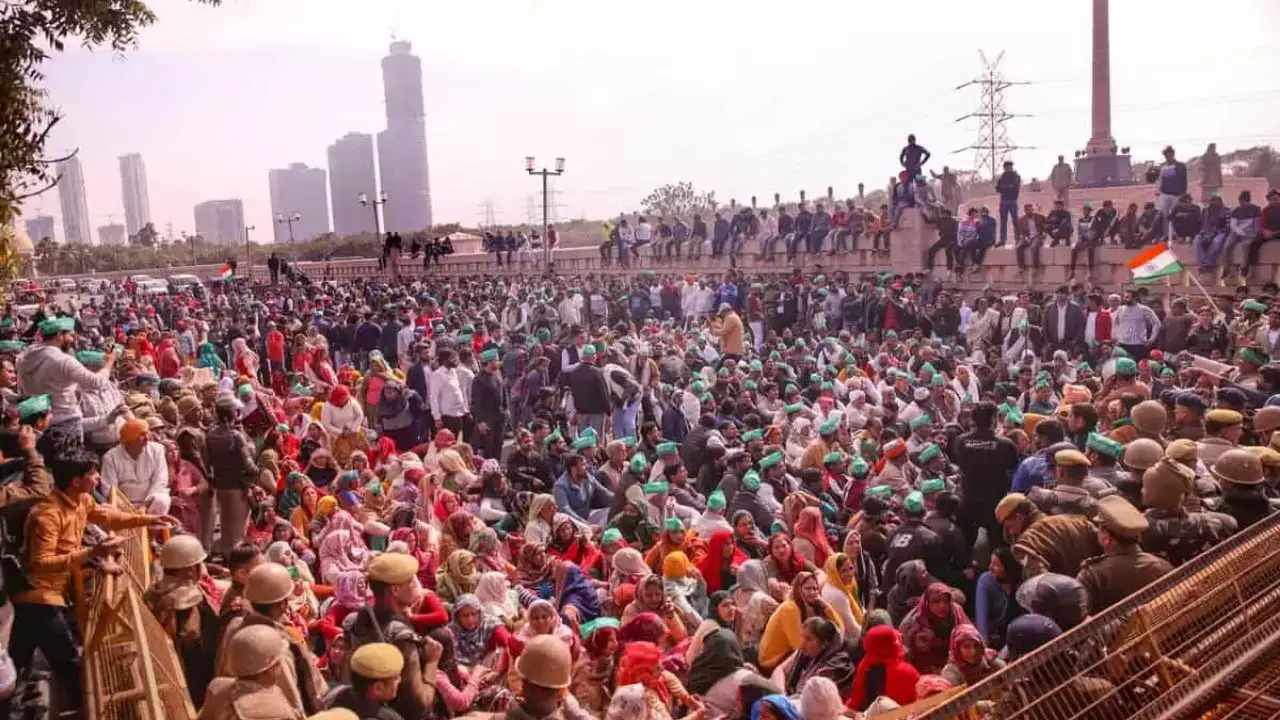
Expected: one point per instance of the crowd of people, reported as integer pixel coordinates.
(582, 496)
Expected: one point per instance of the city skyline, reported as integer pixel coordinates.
(402, 147)
(260, 91)
(73, 203)
(302, 192)
(221, 222)
(133, 190)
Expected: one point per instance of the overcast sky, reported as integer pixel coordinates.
(741, 97)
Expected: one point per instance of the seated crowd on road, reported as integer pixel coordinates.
(792, 497)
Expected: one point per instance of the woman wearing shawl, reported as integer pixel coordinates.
(475, 633)
(774, 707)
(841, 592)
(745, 537)
(755, 605)
(811, 537)
(319, 371)
(262, 525)
(594, 674)
(446, 504)
(545, 620)
(343, 419)
(369, 389)
(883, 670)
(458, 577)
(425, 557)
(291, 499)
(457, 475)
(542, 512)
(675, 537)
(720, 565)
(628, 569)
(186, 483)
(342, 548)
(822, 654)
(497, 599)
(634, 523)
(244, 360)
(784, 564)
(488, 550)
(400, 412)
(303, 605)
(321, 469)
(685, 587)
(456, 532)
(457, 688)
(569, 542)
(970, 661)
(821, 700)
(642, 663)
(717, 670)
(350, 593)
(867, 575)
(314, 438)
(560, 582)
(910, 581)
(651, 597)
(207, 357)
(784, 634)
(927, 629)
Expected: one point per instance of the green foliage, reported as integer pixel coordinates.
(29, 31)
(678, 199)
(145, 237)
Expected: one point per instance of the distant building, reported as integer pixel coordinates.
(41, 227)
(220, 222)
(302, 190)
(133, 188)
(75, 207)
(112, 235)
(402, 147)
(351, 172)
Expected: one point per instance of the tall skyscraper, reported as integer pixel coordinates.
(402, 147)
(302, 190)
(112, 235)
(133, 187)
(351, 172)
(75, 208)
(221, 221)
(41, 227)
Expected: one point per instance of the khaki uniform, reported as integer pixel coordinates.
(417, 681)
(231, 699)
(1211, 448)
(1179, 536)
(1064, 500)
(190, 621)
(1112, 577)
(1194, 431)
(302, 683)
(1056, 543)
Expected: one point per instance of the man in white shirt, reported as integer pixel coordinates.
(404, 344)
(449, 393)
(570, 308)
(137, 466)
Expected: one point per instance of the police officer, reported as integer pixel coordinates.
(391, 580)
(254, 688)
(268, 589)
(1045, 543)
(913, 540)
(186, 613)
(375, 681)
(543, 672)
(1188, 416)
(1265, 422)
(1104, 456)
(1222, 430)
(1204, 492)
(1240, 474)
(1123, 568)
(1173, 533)
(1069, 496)
(1149, 420)
(1138, 456)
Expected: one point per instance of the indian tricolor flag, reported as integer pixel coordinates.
(1154, 264)
(227, 272)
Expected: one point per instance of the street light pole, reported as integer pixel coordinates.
(289, 219)
(529, 165)
(248, 259)
(377, 224)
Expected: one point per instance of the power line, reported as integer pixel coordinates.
(486, 214)
(993, 144)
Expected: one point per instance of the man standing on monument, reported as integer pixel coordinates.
(1008, 185)
(913, 157)
(1172, 183)
(1060, 178)
(949, 187)
(1210, 172)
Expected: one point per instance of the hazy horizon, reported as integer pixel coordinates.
(739, 98)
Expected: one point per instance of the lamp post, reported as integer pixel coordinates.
(377, 223)
(289, 220)
(529, 165)
(248, 259)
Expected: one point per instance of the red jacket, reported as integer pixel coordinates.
(275, 346)
(1102, 326)
(883, 644)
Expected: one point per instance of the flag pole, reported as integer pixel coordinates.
(1212, 302)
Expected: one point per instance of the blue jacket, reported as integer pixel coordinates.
(1009, 184)
(1033, 472)
(1173, 179)
(987, 231)
(580, 500)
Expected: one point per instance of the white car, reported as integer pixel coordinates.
(154, 287)
(139, 279)
(183, 282)
(66, 285)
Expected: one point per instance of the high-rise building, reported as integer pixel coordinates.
(304, 191)
(351, 172)
(221, 222)
(75, 208)
(41, 227)
(402, 147)
(112, 235)
(133, 187)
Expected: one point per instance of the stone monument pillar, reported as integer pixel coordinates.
(1101, 163)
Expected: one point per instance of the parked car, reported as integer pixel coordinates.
(66, 285)
(180, 283)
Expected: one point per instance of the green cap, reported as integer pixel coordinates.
(1014, 416)
(1084, 365)
(1254, 305)
(859, 467)
(584, 441)
(655, 488)
(1251, 355)
(12, 346)
(914, 502)
(52, 326)
(544, 334)
(930, 452)
(1119, 352)
(756, 366)
(588, 350)
(793, 408)
(1104, 445)
(639, 464)
(611, 536)
(722, 372)
(834, 457)
(33, 406)
(1126, 367)
(468, 328)
(920, 421)
(749, 385)
(706, 397)
(697, 387)
(672, 523)
(716, 501)
(668, 448)
(588, 628)
(883, 491)
(933, 485)
(490, 355)
(752, 435)
(830, 426)
(768, 461)
(751, 480)
(302, 390)
(554, 436)
(92, 357)
(628, 441)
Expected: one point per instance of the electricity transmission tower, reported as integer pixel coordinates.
(554, 205)
(993, 144)
(487, 214)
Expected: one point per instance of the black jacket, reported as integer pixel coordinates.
(987, 464)
(1074, 324)
(913, 540)
(590, 391)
